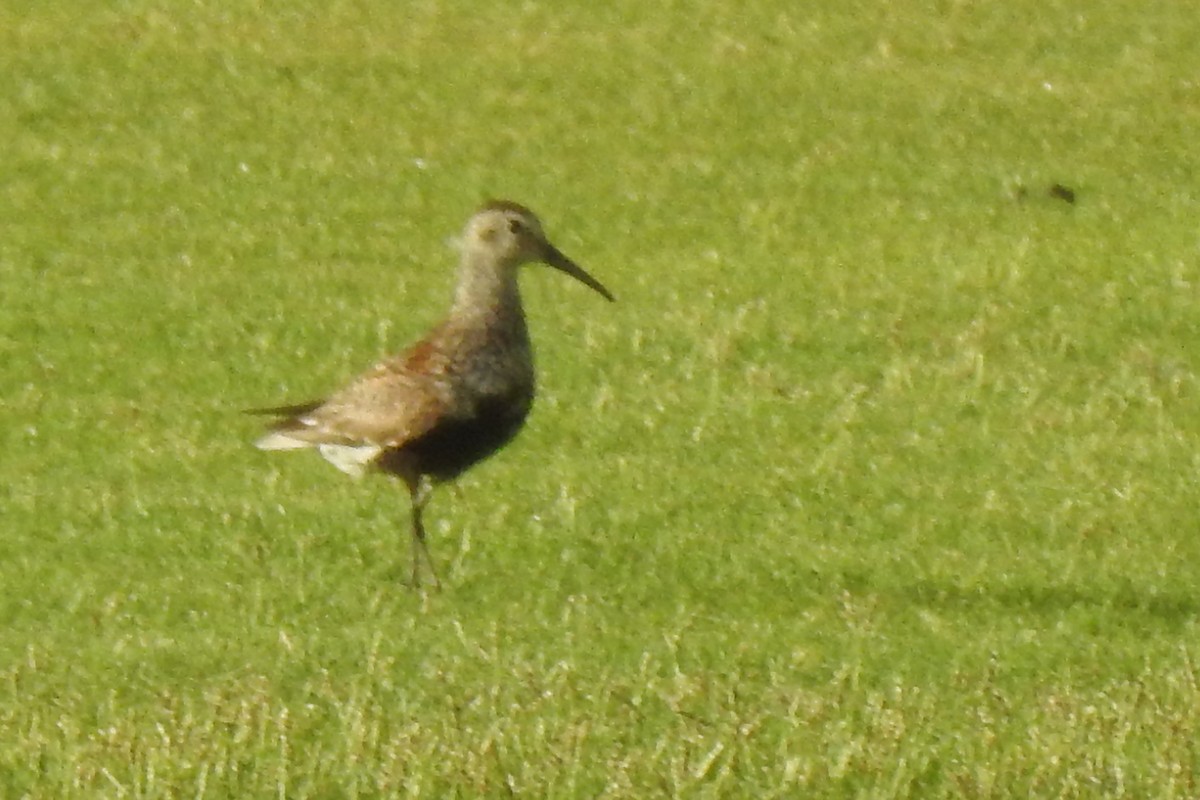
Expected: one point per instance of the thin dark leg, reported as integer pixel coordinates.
(420, 496)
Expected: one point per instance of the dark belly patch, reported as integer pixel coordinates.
(454, 445)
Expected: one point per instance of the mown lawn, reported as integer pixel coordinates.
(879, 480)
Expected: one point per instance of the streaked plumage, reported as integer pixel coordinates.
(456, 396)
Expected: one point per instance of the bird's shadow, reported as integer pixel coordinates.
(1171, 607)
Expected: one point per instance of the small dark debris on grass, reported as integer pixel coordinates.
(1060, 192)
(1056, 191)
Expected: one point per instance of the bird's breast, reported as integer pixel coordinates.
(499, 362)
(488, 385)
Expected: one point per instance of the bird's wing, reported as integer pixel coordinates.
(395, 402)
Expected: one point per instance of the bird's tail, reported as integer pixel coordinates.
(279, 438)
(284, 411)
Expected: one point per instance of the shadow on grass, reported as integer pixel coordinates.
(1168, 606)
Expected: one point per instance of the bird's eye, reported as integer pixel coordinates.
(515, 226)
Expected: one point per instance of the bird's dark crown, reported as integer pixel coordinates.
(505, 205)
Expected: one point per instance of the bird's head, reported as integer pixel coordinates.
(508, 234)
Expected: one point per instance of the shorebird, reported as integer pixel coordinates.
(453, 398)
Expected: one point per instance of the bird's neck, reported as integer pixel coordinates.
(487, 294)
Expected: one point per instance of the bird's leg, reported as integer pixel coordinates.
(419, 491)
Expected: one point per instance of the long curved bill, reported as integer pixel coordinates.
(554, 257)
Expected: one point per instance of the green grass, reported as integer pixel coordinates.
(879, 481)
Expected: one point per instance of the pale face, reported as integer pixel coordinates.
(507, 236)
